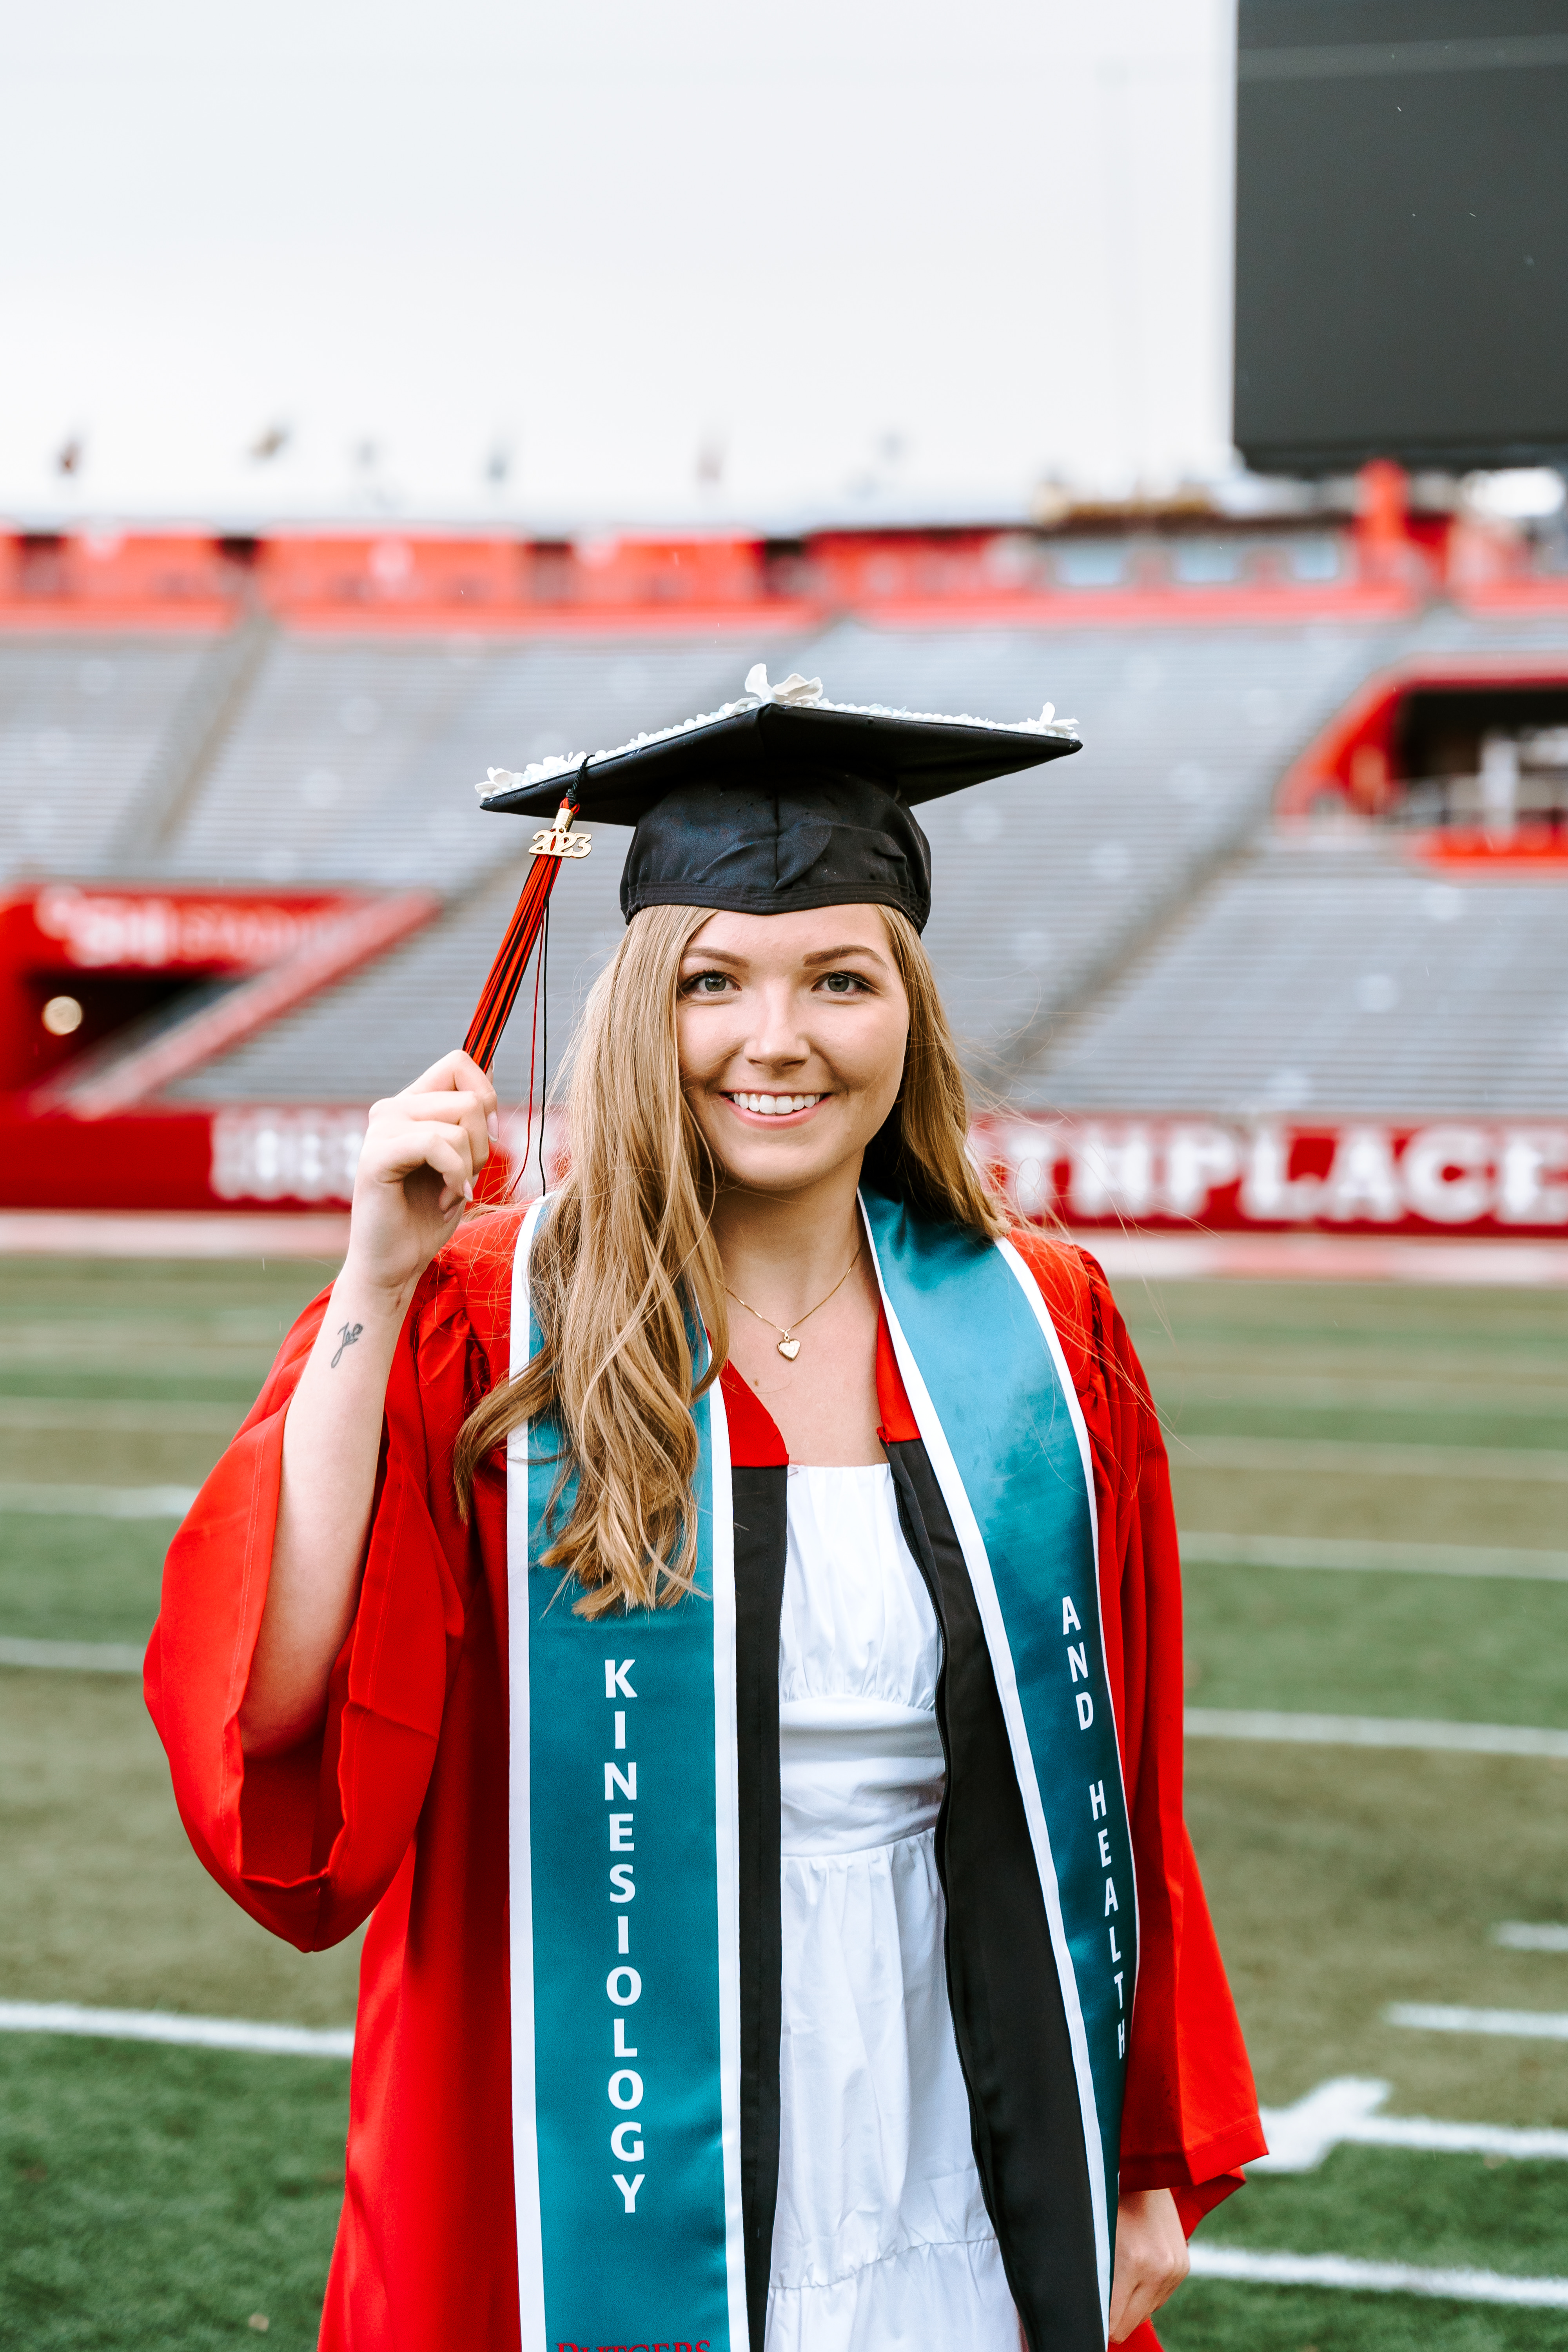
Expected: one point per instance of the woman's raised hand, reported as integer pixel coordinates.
(422, 1153)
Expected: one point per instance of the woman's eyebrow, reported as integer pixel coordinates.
(837, 955)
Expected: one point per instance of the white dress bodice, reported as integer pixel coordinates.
(881, 2238)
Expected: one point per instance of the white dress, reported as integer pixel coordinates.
(881, 2237)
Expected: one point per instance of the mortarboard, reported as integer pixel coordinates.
(778, 802)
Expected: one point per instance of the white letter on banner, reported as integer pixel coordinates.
(1447, 1200)
(1105, 1849)
(1199, 1161)
(621, 1833)
(1527, 1157)
(627, 2155)
(633, 2094)
(1269, 1194)
(1110, 1905)
(1362, 1182)
(628, 2189)
(1096, 1800)
(1112, 1173)
(1084, 1710)
(621, 1880)
(626, 1782)
(624, 1999)
(1077, 1660)
(1071, 1622)
(623, 2049)
(616, 1678)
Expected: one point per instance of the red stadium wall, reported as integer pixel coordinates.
(1361, 1176)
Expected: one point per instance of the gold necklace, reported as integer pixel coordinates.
(789, 1346)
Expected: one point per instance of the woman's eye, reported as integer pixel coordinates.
(706, 984)
(843, 984)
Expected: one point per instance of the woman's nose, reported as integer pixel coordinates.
(777, 1036)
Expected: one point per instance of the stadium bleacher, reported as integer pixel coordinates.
(1043, 879)
(1127, 930)
(1332, 981)
(82, 719)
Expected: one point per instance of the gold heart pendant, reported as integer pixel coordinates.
(790, 1348)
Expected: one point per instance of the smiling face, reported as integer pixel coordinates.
(792, 1031)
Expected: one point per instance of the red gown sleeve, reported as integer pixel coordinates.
(307, 1841)
(1189, 2121)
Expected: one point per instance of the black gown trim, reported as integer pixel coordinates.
(760, 1517)
(1009, 2016)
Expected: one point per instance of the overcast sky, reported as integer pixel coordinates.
(583, 265)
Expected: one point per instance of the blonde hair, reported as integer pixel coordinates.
(626, 1270)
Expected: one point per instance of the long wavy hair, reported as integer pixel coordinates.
(626, 1271)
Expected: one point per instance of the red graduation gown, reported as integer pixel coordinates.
(398, 1808)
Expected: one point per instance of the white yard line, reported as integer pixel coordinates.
(1520, 2024)
(1368, 1554)
(172, 1234)
(165, 2025)
(75, 1657)
(1528, 1463)
(1375, 1731)
(1327, 1257)
(1375, 2278)
(1178, 1376)
(1520, 1936)
(98, 1502)
(185, 1416)
(1345, 2110)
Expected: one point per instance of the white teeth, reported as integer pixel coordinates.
(775, 1105)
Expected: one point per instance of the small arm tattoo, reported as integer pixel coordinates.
(349, 1332)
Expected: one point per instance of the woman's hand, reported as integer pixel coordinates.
(421, 1153)
(1152, 2258)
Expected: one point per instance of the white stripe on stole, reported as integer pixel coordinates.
(727, 1831)
(1031, 1291)
(972, 1545)
(520, 1864)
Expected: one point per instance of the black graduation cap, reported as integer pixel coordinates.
(780, 801)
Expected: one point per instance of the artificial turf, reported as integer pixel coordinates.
(1455, 1649)
(1209, 2317)
(154, 2198)
(65, 1578)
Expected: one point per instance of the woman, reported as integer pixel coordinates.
(725, 1623)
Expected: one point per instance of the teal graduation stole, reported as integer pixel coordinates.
(623, 1841)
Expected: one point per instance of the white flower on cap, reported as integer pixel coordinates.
(795, 689)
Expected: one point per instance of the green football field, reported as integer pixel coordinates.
(174, 2197)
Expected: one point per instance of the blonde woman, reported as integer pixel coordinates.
(722, 1625)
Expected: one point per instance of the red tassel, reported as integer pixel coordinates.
(500, 995)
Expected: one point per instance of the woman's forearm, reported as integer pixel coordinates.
(332, 1443)
(421, 1153)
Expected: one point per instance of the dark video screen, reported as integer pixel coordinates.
(1402, 233)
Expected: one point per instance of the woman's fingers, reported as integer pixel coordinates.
(467, 1107)
(392, 1153)
(457, 1072)
(1152, 2258)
